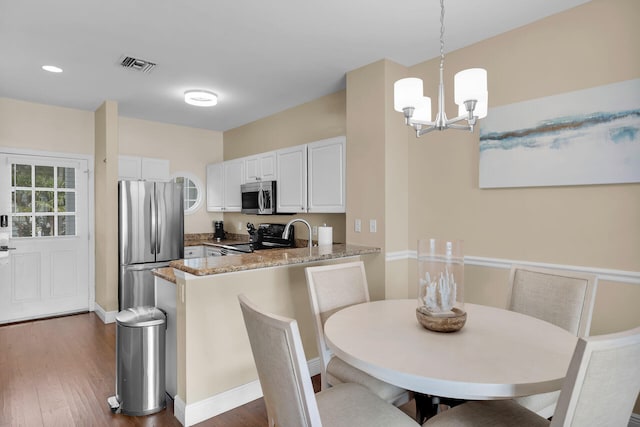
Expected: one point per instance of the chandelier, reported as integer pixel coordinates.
(470, 93)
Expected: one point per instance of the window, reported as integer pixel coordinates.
(43, 200)
(192, 188)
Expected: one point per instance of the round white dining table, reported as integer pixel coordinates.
(498, 354)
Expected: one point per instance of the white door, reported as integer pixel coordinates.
(46, 201)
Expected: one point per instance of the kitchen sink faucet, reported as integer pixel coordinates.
(285, 234)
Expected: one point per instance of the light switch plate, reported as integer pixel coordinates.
(358, 225)
(373, 226)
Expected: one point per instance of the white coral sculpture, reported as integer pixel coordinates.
(440, 293)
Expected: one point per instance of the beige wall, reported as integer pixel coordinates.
(27, 125)
(106, 205)
(188, 149)
(319, 119)
(596, 226)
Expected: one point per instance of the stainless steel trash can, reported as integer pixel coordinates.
(140, 361)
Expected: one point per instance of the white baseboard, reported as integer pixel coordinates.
(634, 421)
(621, 276)
(197, 412)
(105, 316)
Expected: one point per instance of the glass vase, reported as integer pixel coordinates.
(441, 277)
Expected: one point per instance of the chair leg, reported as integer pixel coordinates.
(425, 407)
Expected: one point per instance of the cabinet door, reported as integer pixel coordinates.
(233, 179)
(261, 167)
(129, 168)
(326, 174)
(155, 169)
(268, 166)
(215, 187)
(251, 169)
(292, 179)
(193, 252)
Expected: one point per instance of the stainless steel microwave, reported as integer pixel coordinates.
(259, 197)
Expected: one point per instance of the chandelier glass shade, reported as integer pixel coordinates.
(470, 94)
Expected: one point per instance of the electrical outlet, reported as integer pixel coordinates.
(373, 226)
(358, 225)
(315, 230)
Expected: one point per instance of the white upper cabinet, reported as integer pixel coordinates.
(326, 175)
(233, 179)
(143, 168)
(223, 186)
(261, 167)
(215, 187)
(291, 191)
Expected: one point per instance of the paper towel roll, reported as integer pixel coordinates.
(325, 235)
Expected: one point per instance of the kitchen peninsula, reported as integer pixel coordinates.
(215, 367)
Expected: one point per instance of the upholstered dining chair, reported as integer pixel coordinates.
(564, 298)
(600, 389)
(286, 383)
(331, 288)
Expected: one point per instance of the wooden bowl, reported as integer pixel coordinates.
(441, 324)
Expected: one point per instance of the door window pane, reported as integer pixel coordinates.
(66, 225)
(44, 226)
(66, 202)
(44, 201)
(21, 226)
(20, 175)
(44, 176)
(21, 201)
(66, 178)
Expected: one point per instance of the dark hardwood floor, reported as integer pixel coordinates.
(60, 372)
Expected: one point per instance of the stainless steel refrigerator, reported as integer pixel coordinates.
(151, 233)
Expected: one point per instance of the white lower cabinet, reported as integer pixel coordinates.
(193, 252)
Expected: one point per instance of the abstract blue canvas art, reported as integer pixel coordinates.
(590, 136)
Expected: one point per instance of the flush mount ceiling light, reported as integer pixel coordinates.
(470, 93)
(200, 98)
(52, 68)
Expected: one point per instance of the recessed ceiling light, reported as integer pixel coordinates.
(52, 68)
(200, 98)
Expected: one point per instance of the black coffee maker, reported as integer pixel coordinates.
(218, 230)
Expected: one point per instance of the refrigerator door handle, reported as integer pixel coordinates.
(160, 208)
(154, 222)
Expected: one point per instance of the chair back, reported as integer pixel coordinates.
(602, 382)
(331, 288)
(564, 298)
(282, 368)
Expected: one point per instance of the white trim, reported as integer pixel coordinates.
(105, 316)
(399, 255)
(621, 276)
(217, 404)
(634, 421)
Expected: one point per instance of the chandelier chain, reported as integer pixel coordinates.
(441, 34)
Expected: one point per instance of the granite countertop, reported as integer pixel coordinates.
(267, 258)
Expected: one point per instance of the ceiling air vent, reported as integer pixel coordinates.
(137, 64)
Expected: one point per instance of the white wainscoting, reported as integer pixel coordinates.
(622, 276)
(197, 412)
